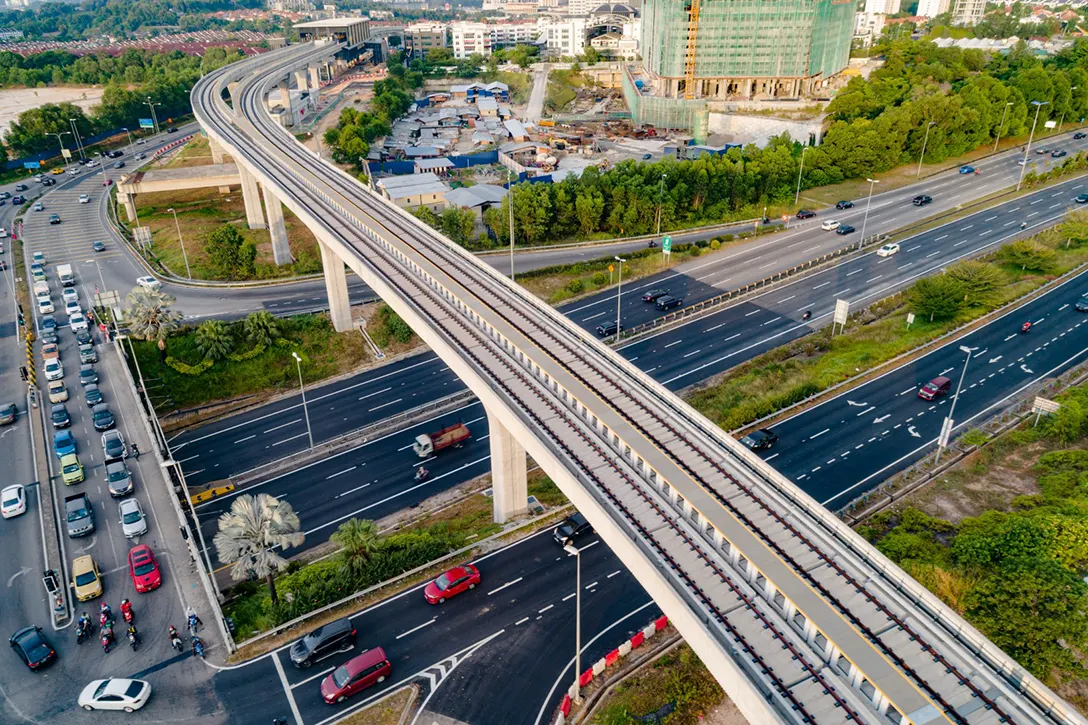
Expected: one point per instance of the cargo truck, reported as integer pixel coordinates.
(454, 435)
(67, 277)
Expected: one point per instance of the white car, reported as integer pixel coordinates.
(84, 199)
(74, 171)
(149, 283)
(70, 295)
(133, 522)
(92, 163)
(39, 207)
(45, 306)
(53, 369)
(71, 307)
(888, 250)
(830, 225)
(115, 694)
(12, 501)
(3, 233)
(77, 322)
(141, 141)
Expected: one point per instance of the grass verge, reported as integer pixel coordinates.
(678, 679)
(805, 367)
(387, 711)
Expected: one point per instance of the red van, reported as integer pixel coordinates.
(935, 388)
(355, 675)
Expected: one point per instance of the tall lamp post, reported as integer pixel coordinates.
(154, 118)
(577, 554)
(1027, 149)
(1001, 125)
(129, 140)
(1062, 122)
(800, 170)
(185, 256)
(619, 294)
(305, 410)
(660, 193)
(62, 149)
(864, 219)
(75, 134)
(925, 141)
(950, 421)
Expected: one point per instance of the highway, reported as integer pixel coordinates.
(529, 363)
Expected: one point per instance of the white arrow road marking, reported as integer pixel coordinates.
(16, 575)
(94, 540)
(995, 359)
(1025, 368)
(914, 433)
(859, 405)
(881, 419)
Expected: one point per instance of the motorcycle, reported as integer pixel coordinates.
(807, 315)
(175, 639)
(107, 639)
(1025, 327)
(126, 611)
(83, 630)
(105, 614)
(198, 646)
(133, 638)
(422, 473)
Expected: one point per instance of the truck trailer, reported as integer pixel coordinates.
(453, 436)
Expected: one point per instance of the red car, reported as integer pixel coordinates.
(358, 673)
(144, 569)
(453, 582)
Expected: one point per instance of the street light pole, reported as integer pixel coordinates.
(800, 170)
(185, 256)
(129, 141)
(510, 196)
(1062, 122)
(75, 134)
(864, 219)
(1027, 149)
(61, 143)
(1000, 125)
(924, 143)
(619, 295)
(577, 554)
(305, 410)
(955, 399)
(660, 193)
(154, 117)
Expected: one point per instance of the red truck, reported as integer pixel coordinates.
(455, 436)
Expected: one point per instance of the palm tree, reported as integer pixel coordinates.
(250, 533)
(358, 538)
(261, 328)
(150, 314)
(213, 339)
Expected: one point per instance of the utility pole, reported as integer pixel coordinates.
(660, 193)
(865, 219)
(154, 118)
(62, 149)
(797, 196)
(1001, 125)
(1027, 149)
(924, 143)
(619, 294)
(75, 134)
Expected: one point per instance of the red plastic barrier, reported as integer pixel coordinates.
(661, 622)
(564, 707)
(611, 657)
(586, 678)
(637, 640)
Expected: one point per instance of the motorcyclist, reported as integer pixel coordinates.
(198, 646)
(1025, 327)
(126, 610)
(175, 638)
(133, 635)
(422, 473)
(1023, 225)
(136, 451)
(808, 314)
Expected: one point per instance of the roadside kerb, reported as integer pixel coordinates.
(923, 472)
(921, 349)
(50, 527)
(353, 438)
(406, 575)
(598, 667)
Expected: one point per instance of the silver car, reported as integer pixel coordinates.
(133, 521)
(118, 479)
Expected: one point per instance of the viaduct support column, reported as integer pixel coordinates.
(285, 100)
(281, 250)
(510, 489)
(251, 196)
(300, 79)
(336, 287)
(130, 206)
(217, 158)
(315, 82)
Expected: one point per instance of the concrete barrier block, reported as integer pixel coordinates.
(561, 719)
(649, 631)
(625, 649)
(564, 707)
(598, 666)
(637, 640)
(661, 622)
(585, 678)
(570, 690)
(612, 657)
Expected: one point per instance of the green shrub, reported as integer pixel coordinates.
(187, 369)
(576, 286)
(248, 354)
(715, 245)
(600, 279)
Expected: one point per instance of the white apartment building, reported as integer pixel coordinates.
(869, 23)
(482, 38)
(932, 8)
(564, 37)
(883, 7)
(968, 12)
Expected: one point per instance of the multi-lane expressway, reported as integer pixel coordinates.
(569, 402)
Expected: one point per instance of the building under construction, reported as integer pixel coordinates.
(700, 51)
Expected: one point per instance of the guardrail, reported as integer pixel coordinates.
(355, 437)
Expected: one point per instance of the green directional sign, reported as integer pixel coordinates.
(666, 245)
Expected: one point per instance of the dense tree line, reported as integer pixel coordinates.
(134, 66)
(166, 77)
(119, 18)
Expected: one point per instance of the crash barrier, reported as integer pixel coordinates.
(172, 145)
(607, 661)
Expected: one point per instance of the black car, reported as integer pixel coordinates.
(922, 200)
(654, 294)
(83, 337)
(49, 336)
(92, 395)
(1058, 153)
(47, 181)
(573, 527)
(115, 154)
(844, 229)
(606, 329)
(59, 415)
(171, 130)
(668, 302)
(1079, 135)
(87, 375)
(760, 440)
(119, 165)
(325, 641)
(806, 214)
(844, 205)
(54, 218)
(31, 646)
(1082, 198)
(102, 417)
(1082, 304)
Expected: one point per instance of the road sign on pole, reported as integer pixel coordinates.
(1042, 405)
(910, 319)
(666, 246)
(842, 313)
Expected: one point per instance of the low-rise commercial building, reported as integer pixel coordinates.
(415, 190)
(420, 38)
